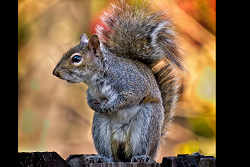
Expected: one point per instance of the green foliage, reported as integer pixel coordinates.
(200, 127)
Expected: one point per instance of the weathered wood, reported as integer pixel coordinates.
(124, 164)
(186, 160)
(179, 162)
(78, 160)
(41, 159)
(207, 162)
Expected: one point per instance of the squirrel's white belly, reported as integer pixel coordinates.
(122, 121)
(119, 122)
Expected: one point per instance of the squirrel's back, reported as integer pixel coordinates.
(146, 34)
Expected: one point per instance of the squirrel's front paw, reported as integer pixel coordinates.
(94, 159)
(140, 158)
(106, 106)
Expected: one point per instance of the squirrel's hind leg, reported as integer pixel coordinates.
(146, 133)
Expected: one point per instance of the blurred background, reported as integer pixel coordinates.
(53, 115)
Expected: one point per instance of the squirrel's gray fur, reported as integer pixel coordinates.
(130, 68)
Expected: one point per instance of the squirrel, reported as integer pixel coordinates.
(132, 67)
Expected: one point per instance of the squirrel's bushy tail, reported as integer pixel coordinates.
(146, 34)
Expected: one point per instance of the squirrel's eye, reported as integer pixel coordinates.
(76, 58)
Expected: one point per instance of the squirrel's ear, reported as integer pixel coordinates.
(84, 38)
(94, 46)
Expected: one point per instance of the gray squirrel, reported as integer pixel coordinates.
(132, 68)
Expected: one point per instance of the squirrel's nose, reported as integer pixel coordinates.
(56, 73)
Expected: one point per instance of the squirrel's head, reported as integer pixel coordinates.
(80, 62)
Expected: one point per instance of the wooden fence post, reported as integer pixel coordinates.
(41, 159)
